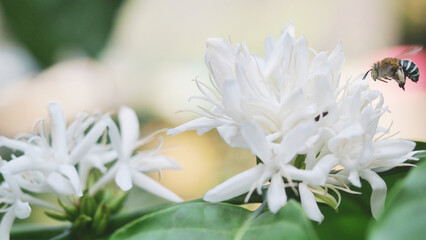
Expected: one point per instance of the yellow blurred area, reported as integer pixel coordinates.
(157, 48)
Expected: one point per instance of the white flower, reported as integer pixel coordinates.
(262, 104)
(277, 165)
(12, 205)
(129, 168)
(50, 159)
(356, 143)
(15, 203)
(278, 91)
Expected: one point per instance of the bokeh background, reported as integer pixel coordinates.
(101, 54)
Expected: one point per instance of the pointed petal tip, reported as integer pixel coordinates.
(209, 196)
(172, 131)
(176, 199)
(214, 41)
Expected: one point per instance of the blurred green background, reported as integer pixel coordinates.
(100, 54)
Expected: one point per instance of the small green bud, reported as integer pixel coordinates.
(57, 216)
(70, 210)
(91, 205)
(100, 229)
(117, 202)
(100, 220)
(100, 211)
(81, 222)
(83, 205)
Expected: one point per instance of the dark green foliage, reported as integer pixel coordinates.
(47, 28)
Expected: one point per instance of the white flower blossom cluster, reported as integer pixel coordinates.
(311, 131)
(58, 159)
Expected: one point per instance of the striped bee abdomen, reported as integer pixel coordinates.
(410, 69)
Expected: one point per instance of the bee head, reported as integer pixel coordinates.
(375, 72)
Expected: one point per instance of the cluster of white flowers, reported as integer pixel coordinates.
(293, 112)
(58, 160)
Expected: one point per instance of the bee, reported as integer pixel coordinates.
(396, 69)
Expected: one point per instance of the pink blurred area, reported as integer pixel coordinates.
(407, 108)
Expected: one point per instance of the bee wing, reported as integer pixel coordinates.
(385, 71)
(411, 50)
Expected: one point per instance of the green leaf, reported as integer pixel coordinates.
(405, 213)
(350, 222)
(201, 220)
(47, 28)
(28, 232)
(289, 223)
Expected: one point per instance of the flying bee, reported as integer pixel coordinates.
(396, 69)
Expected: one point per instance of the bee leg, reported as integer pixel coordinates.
(400, 78)
(380, 79)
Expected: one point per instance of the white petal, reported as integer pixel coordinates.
(392, 148)
(302, 60)
(26, 162)
(354, 178)
(22, 209)
(59, 136)
(87, 142)
(84, 168)
(202, 124)
(235, 186)
(6, 225)
(13, 144)
(232, 99)
(115, 137)
(256, 139)
(288, 29)
(280, 53)
(145, 182)
(336, 59)
(220, 59)
(17, 165)
(308, 176)
(295, 140)
(231, 134)
(378, 194)
(276, 193)
(309, 204)
(123, 178)
(324, 92)
(154, 163)
(351, 132)
(71, 173)
(129, 126)
(319, 66)
(321, 169)
(60, 184)
(269, 46)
